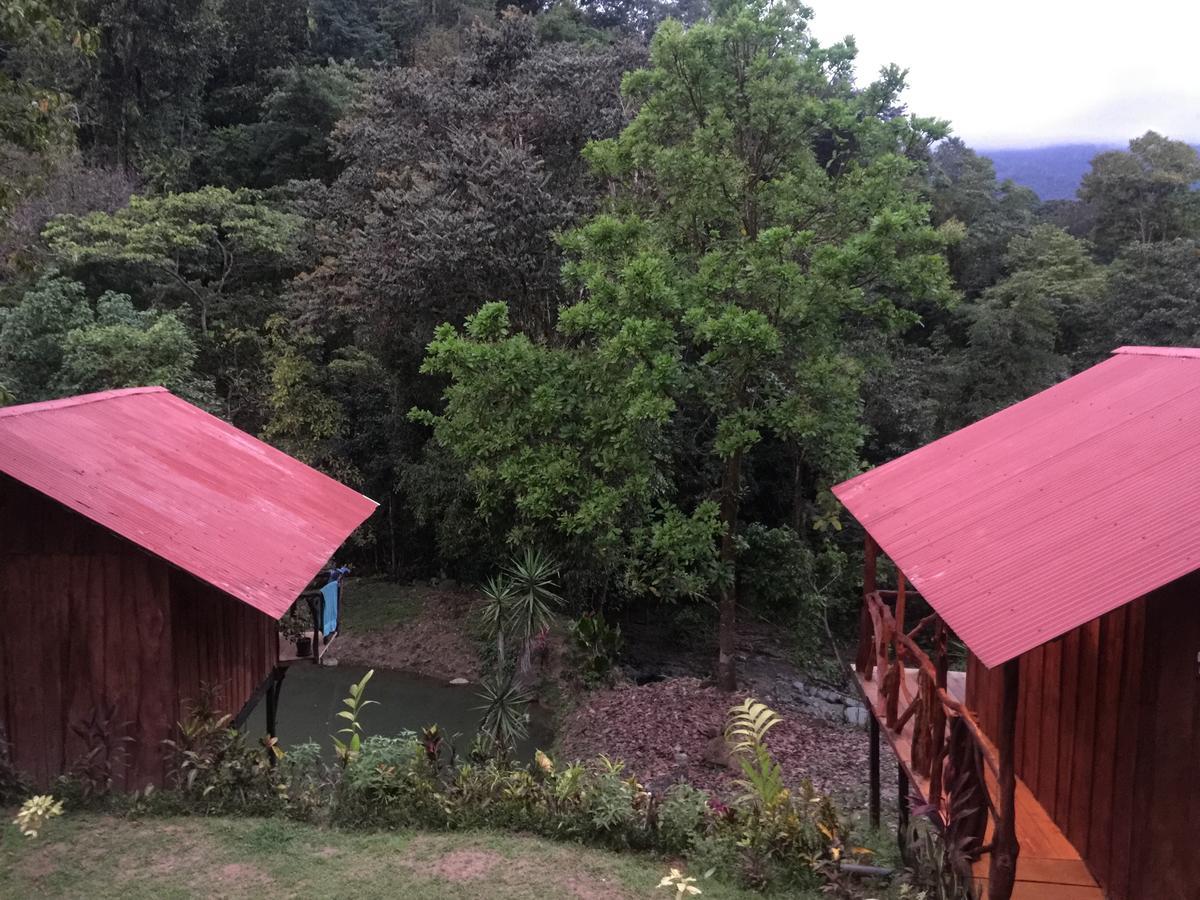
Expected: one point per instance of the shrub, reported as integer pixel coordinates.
(389, 783)
(213, 770)
(683, 817)
(596, 646)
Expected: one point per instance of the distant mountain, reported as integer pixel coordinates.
(1053, 173)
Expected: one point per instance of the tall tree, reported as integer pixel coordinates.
(760, 210)
(963, 188)
(1153, 297)
(219, 254)
(1033, 328)
(35, 112)
(56, 342)
(1143, 195)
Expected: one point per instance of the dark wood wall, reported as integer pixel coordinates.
(219, 643)
(1108, 738)
(88, 620)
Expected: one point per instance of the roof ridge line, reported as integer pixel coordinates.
(1177, 352)
(78, 400)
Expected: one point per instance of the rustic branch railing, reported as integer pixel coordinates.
(948, 747)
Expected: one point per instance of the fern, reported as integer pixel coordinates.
(746, 734)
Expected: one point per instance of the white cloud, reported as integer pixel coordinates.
(1031, 72)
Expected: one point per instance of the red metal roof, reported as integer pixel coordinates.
(185, 486)
(1052, 512)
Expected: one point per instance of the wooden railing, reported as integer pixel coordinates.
(948, 749)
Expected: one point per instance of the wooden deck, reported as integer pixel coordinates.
(1048, 867)
(288, 655)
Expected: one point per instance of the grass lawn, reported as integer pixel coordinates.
(374, 603)
(99, 856)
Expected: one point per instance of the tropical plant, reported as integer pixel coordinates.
(597, 646)
(519, 603)
(746, 734)
(531, 576)
(504, 713)
(495, 614)
(36, 813)
(683, 885)
(937, 867)
(104, 750)
(348, 749)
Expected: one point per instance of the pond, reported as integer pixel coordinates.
(312, 696)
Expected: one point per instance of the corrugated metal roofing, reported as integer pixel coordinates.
(1052, 512)
(185, 486)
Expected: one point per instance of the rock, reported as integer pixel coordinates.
(459, 681)
(798, 686)
(329, 661)
(716, 753)
(826, 709)
(857, 716)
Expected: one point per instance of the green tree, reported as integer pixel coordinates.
(290, 139)
(781, 207)
(207, 242)
(35, 113)
(56, 342)
(220, 255)
(1033, 328)
(143, 100)
(1143, 195)
(761, 211)
(1153, 298)
(964, 189)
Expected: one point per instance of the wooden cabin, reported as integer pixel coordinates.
(147, 550)
(1059, 541)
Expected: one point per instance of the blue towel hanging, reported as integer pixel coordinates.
(331, 593)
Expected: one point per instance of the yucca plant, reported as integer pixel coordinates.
(519, 603)
(746, 734)
(504, 705)
(534, 596)
(499, 596)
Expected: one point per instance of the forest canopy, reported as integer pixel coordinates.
(633, 282)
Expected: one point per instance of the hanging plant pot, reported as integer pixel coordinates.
(304, 646)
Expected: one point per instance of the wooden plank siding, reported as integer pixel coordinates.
(89, 619)
(219, 643)
(1108, 739)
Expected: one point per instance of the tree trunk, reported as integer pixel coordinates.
(727, 629)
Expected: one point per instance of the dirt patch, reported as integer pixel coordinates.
(42, 863)
(555, 874)
(671, 731)
(463, 865)
(242, 875)
(433, 642)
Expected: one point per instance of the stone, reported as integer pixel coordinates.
(459, 681)
(716, 753)
(857, 716)
(798, 686)
(329, 661)
(825, 708)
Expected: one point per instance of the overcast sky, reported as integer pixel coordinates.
(1023, 73)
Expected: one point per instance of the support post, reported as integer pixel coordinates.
(866, 645)
(273, 690)
(902, 812)
(1002, 871)
(874, 765)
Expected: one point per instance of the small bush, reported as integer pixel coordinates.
(683, 818)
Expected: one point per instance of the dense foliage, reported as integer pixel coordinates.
(632, 281)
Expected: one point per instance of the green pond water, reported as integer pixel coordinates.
(312, 696)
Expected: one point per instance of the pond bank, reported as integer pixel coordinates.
(312, 697)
